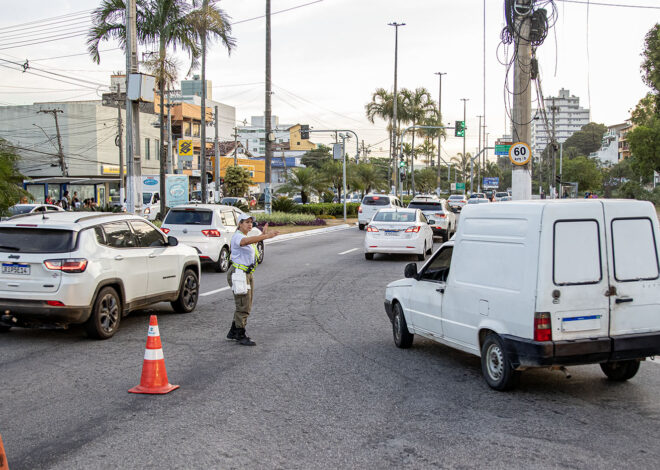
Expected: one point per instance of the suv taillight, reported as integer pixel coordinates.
(165, 230)
(211, 233)
(542, 326)
(71, 265)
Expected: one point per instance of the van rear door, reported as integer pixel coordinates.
(573, 279)
(633, 247)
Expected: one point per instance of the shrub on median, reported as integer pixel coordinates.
(325, 209)
(284, 218)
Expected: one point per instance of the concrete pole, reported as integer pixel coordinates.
(203, 136)
(216, 152)
(479, 168)
(395, 99)
(343, 151)
(120, 143)
(521, 177)
(440, 74)
(465, 100)
(267, 114)
(170, 153)
(133, 160)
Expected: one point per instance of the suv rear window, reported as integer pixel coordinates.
(376, 201)
(455, 197)
(426, 206)
(188, 217)
(36, 240)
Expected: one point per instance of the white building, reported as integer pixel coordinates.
(254, 135)
(610, 151)
(568, 118)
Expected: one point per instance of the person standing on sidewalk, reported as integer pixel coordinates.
(244, 257)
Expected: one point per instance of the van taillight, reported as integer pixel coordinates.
(542, 326)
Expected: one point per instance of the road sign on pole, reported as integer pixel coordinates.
(520, 153)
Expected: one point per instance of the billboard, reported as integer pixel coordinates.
(491, 182)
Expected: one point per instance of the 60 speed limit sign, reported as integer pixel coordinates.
(520, 153)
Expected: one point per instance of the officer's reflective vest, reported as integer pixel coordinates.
(249, 269)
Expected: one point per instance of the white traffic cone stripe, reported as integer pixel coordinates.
(153, 330)
(153, 354)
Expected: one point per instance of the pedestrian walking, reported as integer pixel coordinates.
(240, 275)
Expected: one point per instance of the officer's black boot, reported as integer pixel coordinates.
(242, 339)
(232, 331)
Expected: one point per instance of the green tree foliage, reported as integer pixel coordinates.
(237, 181)
(462, 163)
(367, 178)
(644, 143)
(426, 180)
(583, 142)
(332, 173)
(651, 63)
(301, 180)
(317, 157)
(10, 178)
(584, 171)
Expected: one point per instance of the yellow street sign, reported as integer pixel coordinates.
(185, 147)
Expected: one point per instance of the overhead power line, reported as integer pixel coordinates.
(620, 5)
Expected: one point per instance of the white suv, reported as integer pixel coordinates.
(66, 268)
(208, 228)
(372, 203)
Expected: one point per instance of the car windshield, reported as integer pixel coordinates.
(188, 217)
(397, 216)
(426, 206)
(146, 198)
(36, 240)
(15, 210)
(376, 201)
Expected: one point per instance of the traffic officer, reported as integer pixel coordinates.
(244, 257)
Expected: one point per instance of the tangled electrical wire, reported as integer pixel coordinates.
(540, 24)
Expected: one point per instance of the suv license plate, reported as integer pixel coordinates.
(22, 269)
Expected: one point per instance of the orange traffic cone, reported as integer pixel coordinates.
(3, 458)
(154, 375)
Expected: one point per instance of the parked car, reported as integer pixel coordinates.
(393, 231)
(91, 269)
(18, 209)
(440, 217)
(457, 202)
(372, 203)
(576, 282)
(208, 228)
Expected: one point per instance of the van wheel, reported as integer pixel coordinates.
(402, 337)
(260, 252)
(361, 226)
(620, 371)
(106, 315)
(189, 293)
(368, 256)
(495, 364)
(423, 255)
(223, 261)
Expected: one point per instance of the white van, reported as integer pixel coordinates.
(540, 284)
(372, 203)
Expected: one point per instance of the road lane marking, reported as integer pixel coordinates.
(347, 251)
(214, 291)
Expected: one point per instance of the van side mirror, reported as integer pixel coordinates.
(172, 241)
(410, 270)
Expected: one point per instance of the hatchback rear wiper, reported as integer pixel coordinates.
(9, 248)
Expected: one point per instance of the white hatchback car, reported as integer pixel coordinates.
(208, 228)
(396, 231)
(66, 268)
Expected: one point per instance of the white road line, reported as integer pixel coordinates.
(347, 251)
(214, 291)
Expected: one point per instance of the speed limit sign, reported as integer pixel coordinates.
(520, 153)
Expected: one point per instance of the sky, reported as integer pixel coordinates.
(329, 56)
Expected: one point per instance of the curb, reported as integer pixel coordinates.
(306, 233)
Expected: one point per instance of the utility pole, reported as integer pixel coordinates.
(521, 177)
(267, 114)
(235, 146)
(203, 137)
(170, 160)
(216, 151)
(440, 74)
(479, 168)
(395, 99)
(60, 150)
(553, 149)
(133, 160)
(120, 145)
(465, 100)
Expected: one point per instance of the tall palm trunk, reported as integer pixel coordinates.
(161, 122)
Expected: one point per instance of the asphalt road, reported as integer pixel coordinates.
(325, 387)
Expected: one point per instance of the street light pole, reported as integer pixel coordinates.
(440, 74)
(465, 100)
(395, 98)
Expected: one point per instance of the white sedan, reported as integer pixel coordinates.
(398, 231)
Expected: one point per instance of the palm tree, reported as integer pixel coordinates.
(463, 162)
(427, 149)
(301, 180)
(332, 173)
(168, 24)
(367, 178)
(418, 105)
